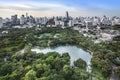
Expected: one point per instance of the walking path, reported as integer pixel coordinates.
(113, 75)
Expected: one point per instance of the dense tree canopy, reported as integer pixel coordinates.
(53, 66)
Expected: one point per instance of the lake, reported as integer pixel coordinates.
(74, 52)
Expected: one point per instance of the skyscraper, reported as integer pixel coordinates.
(14, 20)
(26, 14)
(66, 19)
(23, 20)
(67, 15)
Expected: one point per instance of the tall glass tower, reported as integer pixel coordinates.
(67, 15)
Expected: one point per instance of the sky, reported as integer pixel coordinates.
(49, 8)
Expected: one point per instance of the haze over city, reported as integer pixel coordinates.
(49, 8)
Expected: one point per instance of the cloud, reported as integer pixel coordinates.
(52, 9)
(36, 7)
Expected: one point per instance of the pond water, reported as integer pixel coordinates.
(74, 52)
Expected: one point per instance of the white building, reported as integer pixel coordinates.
(106, 37)
(38, 20)
(96, 21)
(105, 21)
(71, 23)
(59, 23)
(116, 21)
(78, 22)
(75, 21)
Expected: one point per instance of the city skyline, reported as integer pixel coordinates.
(49, 8)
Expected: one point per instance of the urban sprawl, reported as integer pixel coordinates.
(101, 29)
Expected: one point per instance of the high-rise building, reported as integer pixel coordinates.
(26, 14)
(14, 20)
(1, 22)
(71, 23)
(31, 19)
(117, 21)
(44, 20)
(89, 25)
(105, 21)
(66, 21)
(22, 20)
(67, 15)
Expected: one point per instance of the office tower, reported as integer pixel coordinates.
(14, 20)
(26, 14)
(89, 25)
(22, 20)
(67, 15)
(66, 21)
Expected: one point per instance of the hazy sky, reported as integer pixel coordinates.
(39, 8)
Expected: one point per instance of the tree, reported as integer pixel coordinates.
(42, 78)
(117, 71)
(66, 58)
(67, 72)
(106, 68)
(6, 69)
(27, 49)
(49, 60)
(80, 63)
(30, 75)
(39, 68)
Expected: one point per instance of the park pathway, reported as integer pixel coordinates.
(113, 75)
